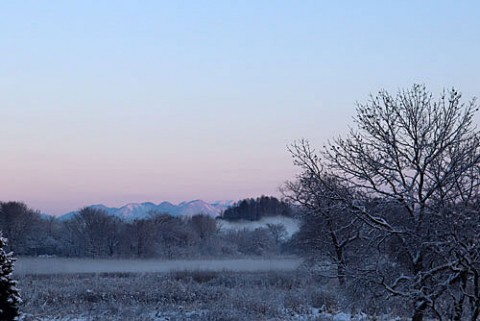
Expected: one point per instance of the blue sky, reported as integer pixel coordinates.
(128, 101)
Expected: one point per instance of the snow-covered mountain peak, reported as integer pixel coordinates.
(133, 211)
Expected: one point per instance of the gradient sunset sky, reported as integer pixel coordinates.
(129, 101)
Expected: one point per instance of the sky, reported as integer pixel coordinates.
(129, 101)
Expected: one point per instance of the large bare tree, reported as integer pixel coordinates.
(417, 160)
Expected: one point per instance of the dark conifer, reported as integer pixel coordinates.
(9, 294)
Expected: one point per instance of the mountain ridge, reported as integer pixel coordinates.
(133, 211)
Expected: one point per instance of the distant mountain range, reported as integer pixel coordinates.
(134, 211)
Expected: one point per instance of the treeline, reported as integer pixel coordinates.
(255, 209)
(96, 234)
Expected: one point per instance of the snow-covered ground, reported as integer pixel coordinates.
(315, 315)
(184, 295)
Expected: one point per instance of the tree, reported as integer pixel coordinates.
(204, 225)
(47, 237)
(17, 222)
(259, 241)
(142, 233)
(328, 226)
(94, 233)
(173, 235)
(9, 295)
(419, 158)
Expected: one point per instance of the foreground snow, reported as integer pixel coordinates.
(197, 315)
(185, 295)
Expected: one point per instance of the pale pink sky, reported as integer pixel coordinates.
(115, 102)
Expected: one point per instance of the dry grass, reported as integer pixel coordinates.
(195, 295)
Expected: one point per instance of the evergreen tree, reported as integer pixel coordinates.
(9, 295)
(255, 209)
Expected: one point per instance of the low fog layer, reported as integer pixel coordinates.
(291, 225)
(65, 266)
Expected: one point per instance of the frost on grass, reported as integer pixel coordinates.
(182, 295)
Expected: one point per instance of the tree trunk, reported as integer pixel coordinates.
(476, 313)
(340, 258)
(458, 309)
(419, 313)
(341, 273)
(476, 291)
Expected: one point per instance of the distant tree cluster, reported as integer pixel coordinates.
(395, 206)
(255, 209)
(94, 233)
(27, 233)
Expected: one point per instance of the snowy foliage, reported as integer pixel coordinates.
(9, 294)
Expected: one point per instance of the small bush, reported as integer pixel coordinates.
(326, 300)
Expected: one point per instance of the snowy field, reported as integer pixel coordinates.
(66, 265)
(197, 290)
(182, 295)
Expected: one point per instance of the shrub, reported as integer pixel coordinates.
(9, 295)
